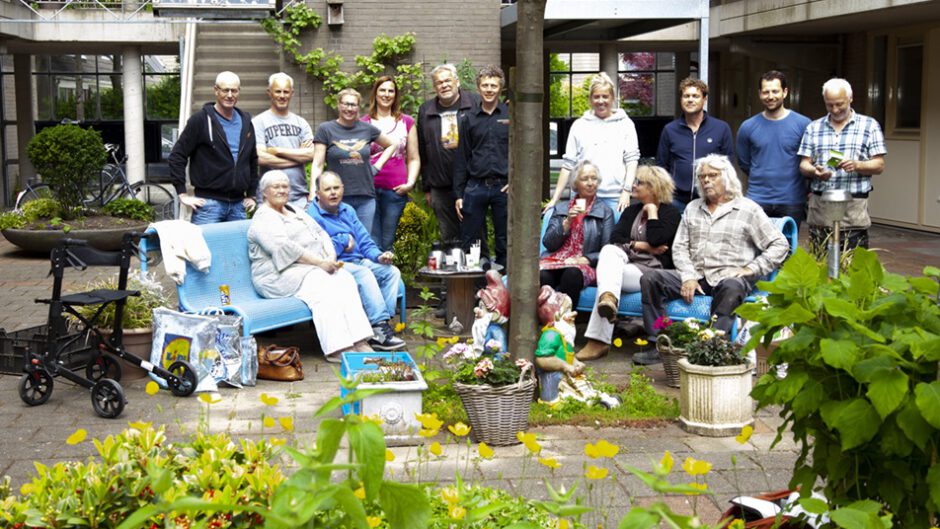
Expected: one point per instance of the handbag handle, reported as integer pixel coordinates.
(285, 358)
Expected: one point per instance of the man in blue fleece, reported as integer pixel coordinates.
(375, 275)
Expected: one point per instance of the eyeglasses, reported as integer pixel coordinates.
(232, 91)
(708, 176)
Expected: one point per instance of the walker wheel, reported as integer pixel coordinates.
(107, 398)
(185, 381)
(36, 387)
(103, 366)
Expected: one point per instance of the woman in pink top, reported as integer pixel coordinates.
(397, 178)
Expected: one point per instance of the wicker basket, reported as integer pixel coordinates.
(497, 413)
(671, 356)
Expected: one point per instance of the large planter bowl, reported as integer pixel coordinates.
(43, 241)
(137, 342)
(715, 401)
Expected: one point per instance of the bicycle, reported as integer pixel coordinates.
(111, 185)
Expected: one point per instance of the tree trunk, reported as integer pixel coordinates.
(527, 167)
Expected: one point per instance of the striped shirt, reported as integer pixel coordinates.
(860, 139)
(715, 245)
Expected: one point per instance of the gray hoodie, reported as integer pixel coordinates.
(607, 143)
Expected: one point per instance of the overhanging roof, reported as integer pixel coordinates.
(596, 21)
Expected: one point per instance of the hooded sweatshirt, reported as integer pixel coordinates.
(608, 144)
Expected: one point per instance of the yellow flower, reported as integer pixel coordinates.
(450, 495)
(360, 492)
(563, 524)
(456, 512)
(485, 451)
(436, 448)
(550, 462)
(453, 340)
(737, 524)
(665, 464)
(594, 472)
(618, 342)
(696, 467)
(525, 437)
(700, 486)
(77, 437)
(277, 441)
(429, 421)
(399, 327)
(533, 446)
(745, 434)
(460, 429)
(591, 451)
(427, 433)
(389, 455)
(641, 342)
(152, 388)
(268, 422)
(287, 423)
(210, 398)
(441, 341)
(374, 521)
(375, 419)
(140, 425)
(606, 449)
(268, 400)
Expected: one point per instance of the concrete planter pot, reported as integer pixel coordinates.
(139, 343)
(715, 401)
(43, 241)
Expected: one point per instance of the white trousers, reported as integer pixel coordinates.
(615, 274)
(337, 309)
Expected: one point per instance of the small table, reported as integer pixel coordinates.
(461, 293)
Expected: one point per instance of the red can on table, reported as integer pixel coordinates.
(432, 262)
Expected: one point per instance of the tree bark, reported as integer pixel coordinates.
(527, 168)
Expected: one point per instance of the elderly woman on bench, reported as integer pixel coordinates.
(291, 255)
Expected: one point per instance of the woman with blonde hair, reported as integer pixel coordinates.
(606, 136)
(641, 240)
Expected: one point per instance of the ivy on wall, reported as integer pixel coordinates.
(325, 66)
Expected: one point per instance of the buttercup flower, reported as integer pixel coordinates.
(152, 388)
(436, 448)
(268, 422)
(268, 400)
(606, 449)
(590, 450)
(485, 451)
(450, 495)
(618, 342)
(77, 437)
(665, 464)
(374, 521)
(460, 429)
(456, 512)
(594, 472)
(429, 421)
(745, 434)
(528, 439)
(550, 462)
(287, 423)
(399, 327)
(375, 419)
(641, 342)
(696, 467)
(389, 455)
(700, 486)
(425, 432)
(210, 398)
(360, 492)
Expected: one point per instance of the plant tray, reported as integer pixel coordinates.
(398, 406)
(14, 346)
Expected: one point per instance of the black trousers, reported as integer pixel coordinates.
(565, 280)
(657, 286)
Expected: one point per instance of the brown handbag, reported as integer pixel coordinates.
(279, 363)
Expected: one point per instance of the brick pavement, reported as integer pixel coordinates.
(38, 434)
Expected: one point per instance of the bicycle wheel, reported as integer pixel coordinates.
(160, 198)
(32, 193)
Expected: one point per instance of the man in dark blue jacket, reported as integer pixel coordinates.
(218, 143)
(691, 136)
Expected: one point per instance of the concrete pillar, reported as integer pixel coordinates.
(25, 128)
(703, 51)
(134, 115)
(610, 63)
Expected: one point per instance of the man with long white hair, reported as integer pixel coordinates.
(724, 244)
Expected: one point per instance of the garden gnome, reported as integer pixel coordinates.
(560, 373)
(491, 313)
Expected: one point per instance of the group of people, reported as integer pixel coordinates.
(685, 225)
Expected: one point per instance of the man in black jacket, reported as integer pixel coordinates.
(218, 142)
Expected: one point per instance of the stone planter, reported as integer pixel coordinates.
(43, 241)
(715, 401)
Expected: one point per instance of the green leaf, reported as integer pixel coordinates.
(887, 390)
(800, 271)
(865, 263)
(794, 313)
(848, 518)
(809, 398)
(350, 506)
(894, 442)
(842, 309)
(933, 481)
(861, 286)
(913, 425)
(367, 442)
(813, 505)
(841, 354)
(137, 519)
(329, 434)
(925, 285)
(639, 518)
(864, 370)
(405, 506)
(928, 349)
(928, 401)
(856, 421)
(932, 271)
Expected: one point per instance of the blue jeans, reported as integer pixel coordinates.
(476, 198)
(365, 209)
(218, 211)
(378, 288)
(796, 212)
(389, 206)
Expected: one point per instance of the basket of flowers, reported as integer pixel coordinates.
(671, 340)
(496, 391)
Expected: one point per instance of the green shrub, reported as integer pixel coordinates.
(12, 219)
(714, 349)
(130, 208)
(413, 240)
(42, 208)
(138, 310)
(68, 157)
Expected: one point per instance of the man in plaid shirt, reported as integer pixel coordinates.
(841, 150)
(724, 244)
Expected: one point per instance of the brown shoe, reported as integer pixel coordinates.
(607, 306)
(592, 350)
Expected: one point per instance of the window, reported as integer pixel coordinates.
(908, 86)
(570, 77)
(647, 83)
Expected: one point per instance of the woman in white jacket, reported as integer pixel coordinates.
(606, 136)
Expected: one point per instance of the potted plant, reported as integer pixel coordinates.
(715, 387)
(401, 382)
(69, 158)
(671, 341)
(137, 318)
(496, 391)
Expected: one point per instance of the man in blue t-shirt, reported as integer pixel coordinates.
(767, 152)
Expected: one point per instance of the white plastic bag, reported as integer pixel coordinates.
(189, 337)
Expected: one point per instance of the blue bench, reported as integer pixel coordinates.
(228, 244)
(677, 309)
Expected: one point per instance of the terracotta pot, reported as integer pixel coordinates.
(715, 401)
(139, 343)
